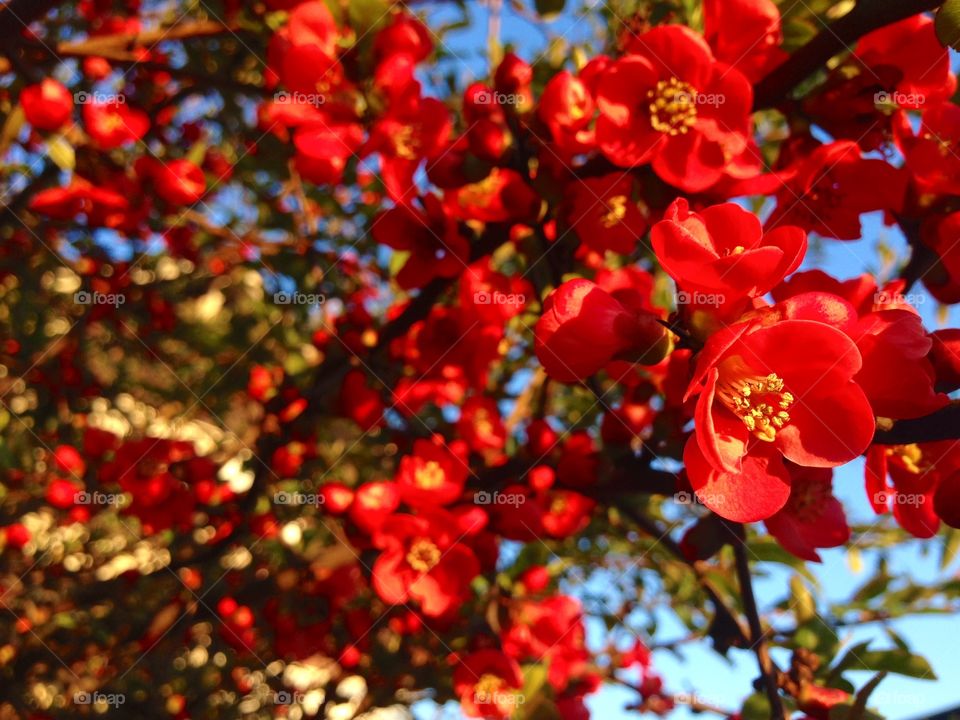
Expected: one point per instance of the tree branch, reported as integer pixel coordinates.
(757, 635)
(944, 424)
(866, 16)
(16, 15)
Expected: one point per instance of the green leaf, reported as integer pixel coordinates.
(951, 546)
(947, 24)
(11, 128)
(546, 8)
(62, 153)
(859, 709)
(367, 15)
(756, 707)
(896, 661)
(803, 601)
(397, 260)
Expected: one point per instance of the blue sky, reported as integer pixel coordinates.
(725, 682)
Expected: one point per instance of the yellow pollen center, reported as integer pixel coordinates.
(616, 211)
(429, 476)
(423, 555)
(558, 505)
(673, 106)
(760, 402)
(482, 424)
(910, 457)
(405, 143)
(488, 684)
(479, 192)
(807, 500)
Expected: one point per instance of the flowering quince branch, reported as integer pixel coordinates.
(863, 17)
(757, 634)
(330, 379)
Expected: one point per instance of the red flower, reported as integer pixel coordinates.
(304, 52)
(583, 328)
(897, 376)
(361, 403)
(945, 357)
(604, 214)
(744, 33)
(501, 196)
(908, 55)
(47, 105)
(415, 129)
(549, 630)
(567, 108)
(828, 190)
(373, 503)
(405, 35)
(324, 148)
(765, 391)
(915, 472)
(812, 518)
(480, 425)
(423, 561)
(69, 460)
(722, 249)
(940, 235)
(434, 474)
(524, 516)
(670, 103)
(101, 206)
(931, 154)
(431, 237)
(114, 123)
(63, 493)
(492, 297)
(178, 182)
(488, 684)
(816, 700)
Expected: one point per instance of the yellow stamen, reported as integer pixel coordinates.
(423, 555)
(760, 402)
(673, 106)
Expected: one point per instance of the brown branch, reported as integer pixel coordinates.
(724, 615)
(866, 16)
(944, 424)
(16, 15)
(757, 635)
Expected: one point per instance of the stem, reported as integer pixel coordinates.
(944, 424)
(723, 612)
(757, 634)
(866, 16)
